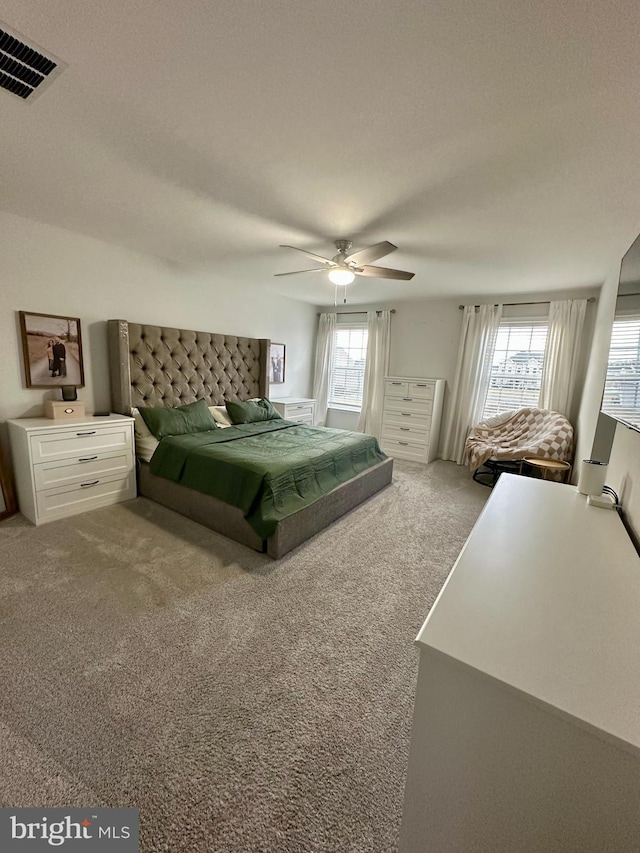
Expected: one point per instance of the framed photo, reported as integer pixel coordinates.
(52, 350)
(276, 364)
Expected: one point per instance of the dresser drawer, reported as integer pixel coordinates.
(49, 475)
(405, 433)
(412, 405)
(403, 419)
(76, 498)
(396, 387)
(402, 449)
(301, 419)
(83, 441)
(421, 389)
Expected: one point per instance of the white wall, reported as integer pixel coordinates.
(425, 335)
(424, 343)
(596, 370)
(623, 473)
(51, 270)
(594, 431)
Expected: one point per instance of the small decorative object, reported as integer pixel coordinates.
(276, 364)
(52, 350)
(69, 393)
(63, 411)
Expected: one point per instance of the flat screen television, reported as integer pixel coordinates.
(621, 397)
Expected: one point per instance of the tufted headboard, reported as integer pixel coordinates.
(159, 366)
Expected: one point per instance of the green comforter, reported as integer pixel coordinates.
(269, 470)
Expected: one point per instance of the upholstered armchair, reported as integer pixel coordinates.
(500, 442)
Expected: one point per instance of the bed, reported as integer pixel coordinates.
(161, 366)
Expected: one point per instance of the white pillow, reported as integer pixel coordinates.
(146, 447)
(140, 428)
(221, 416)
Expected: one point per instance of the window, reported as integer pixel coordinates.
(622, 387)
(516, 366)
(346, 381)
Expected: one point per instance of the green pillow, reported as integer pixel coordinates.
(252, 411)
(194, 417)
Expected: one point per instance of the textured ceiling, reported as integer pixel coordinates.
(497, 144)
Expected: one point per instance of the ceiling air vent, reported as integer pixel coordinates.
(24, 68)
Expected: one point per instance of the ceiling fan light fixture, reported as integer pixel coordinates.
(341, 275)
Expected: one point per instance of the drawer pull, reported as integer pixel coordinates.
(408, 399)
(89, 432)
(92, 483)
(397, 383)
(87, 458)
(405, 429)
(406, 414)
(421, 384)
(403, 442)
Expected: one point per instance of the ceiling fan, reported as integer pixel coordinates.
(344, 267)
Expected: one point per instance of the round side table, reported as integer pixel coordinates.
(548, 465)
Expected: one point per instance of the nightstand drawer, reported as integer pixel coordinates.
(80, 497)
(295, 412)
(300, 410)
(49, 475)
(83, 441)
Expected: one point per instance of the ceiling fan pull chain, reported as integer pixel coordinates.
(335, 297)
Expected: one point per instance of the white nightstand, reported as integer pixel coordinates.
(299, 409)
(67, 467)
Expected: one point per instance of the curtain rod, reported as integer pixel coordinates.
(391, 311)
(590, 299)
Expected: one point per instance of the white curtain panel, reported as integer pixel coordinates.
(322, 369)
(477, 343)
(378, 340)
(564, 340)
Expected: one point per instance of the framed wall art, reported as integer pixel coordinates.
(51, 349)
(276, 364)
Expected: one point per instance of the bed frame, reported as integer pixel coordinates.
(161, 366)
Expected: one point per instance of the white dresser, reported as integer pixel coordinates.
(526, 729)
(299, 409)
(411, 417)
(66, 467)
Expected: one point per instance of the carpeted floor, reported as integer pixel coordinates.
(241, 704)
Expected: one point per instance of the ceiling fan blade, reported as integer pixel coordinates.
(372, 253)
(383, 272)
(311, 255)
(297, 272)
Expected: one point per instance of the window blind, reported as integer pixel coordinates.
(516, 366)
(346, 380)
(622, 386)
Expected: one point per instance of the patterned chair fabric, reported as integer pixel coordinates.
(524, 432)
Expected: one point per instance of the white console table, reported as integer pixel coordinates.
(526, 730)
